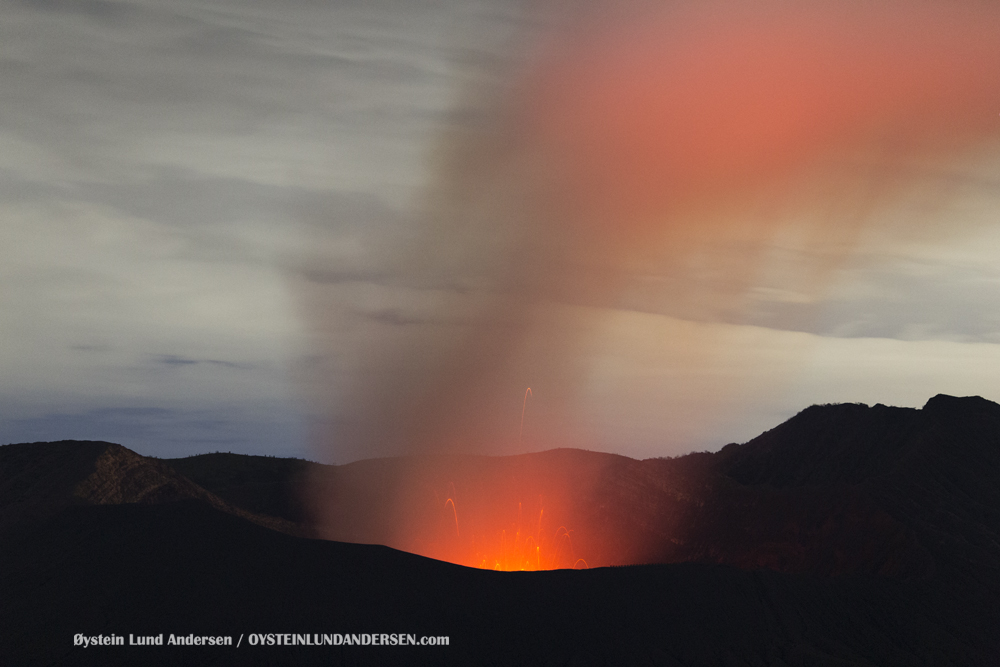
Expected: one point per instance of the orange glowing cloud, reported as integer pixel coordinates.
(651, 110)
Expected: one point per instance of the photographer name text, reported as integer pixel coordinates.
(266, 639)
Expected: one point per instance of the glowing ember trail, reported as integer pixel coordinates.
(455, 512)
(524, 405)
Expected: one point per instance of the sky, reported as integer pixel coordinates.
(338, 230)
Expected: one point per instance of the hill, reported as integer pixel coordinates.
(40, 479)
(849, 535)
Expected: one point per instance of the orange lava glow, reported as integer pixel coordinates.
(523, 547)
(513, 518)
(520, 545)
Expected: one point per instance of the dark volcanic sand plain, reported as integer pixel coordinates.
(849, 535)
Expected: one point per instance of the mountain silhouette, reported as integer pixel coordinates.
(848, 535)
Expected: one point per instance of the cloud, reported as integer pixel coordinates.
(335, 94)
(104, 11)
(174, 360)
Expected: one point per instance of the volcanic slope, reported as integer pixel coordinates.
(40, 479)
(847, 535)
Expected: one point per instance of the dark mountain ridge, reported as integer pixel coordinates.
(934, 472)
(847, 535)
(851, 443)
(835, 489)
(40, 479)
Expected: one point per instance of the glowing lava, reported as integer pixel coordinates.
(518, 546)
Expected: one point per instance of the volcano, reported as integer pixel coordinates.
(850, 534)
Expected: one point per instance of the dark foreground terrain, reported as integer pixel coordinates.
(849, 535)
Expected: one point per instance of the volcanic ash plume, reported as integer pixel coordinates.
(628, 140)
